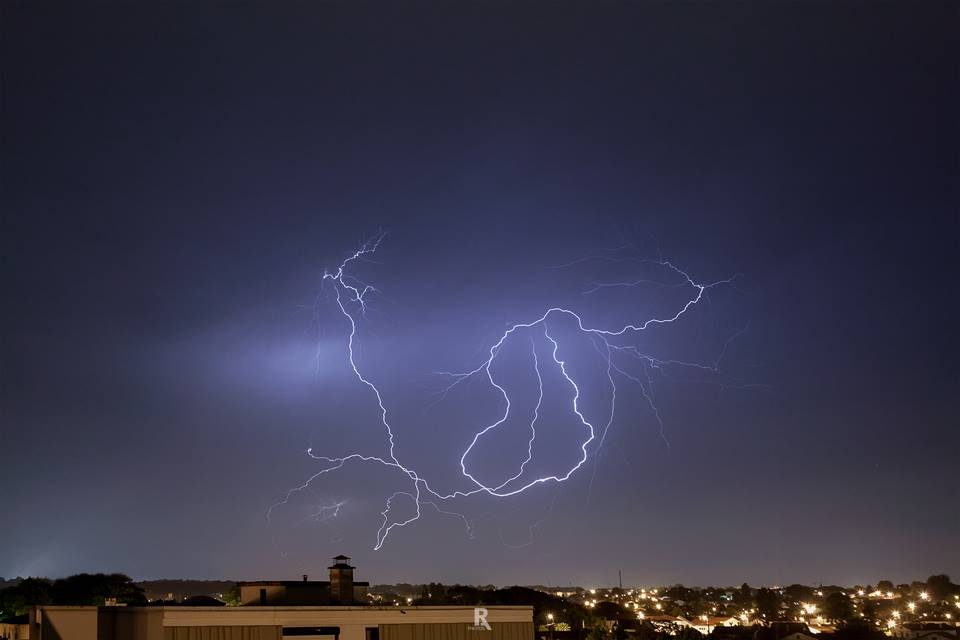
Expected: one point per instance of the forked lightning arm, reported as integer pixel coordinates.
(350, 295)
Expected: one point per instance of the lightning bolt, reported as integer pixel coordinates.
(351, 297)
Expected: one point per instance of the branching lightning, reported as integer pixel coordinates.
(351, 297)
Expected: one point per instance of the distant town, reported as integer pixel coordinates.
(927, 609)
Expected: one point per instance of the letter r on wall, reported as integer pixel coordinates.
(480, 618)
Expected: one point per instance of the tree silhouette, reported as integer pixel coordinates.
(940, 588)
(18, 599)
(838, 607)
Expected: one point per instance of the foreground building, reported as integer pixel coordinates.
(281, 623)
(277, 610)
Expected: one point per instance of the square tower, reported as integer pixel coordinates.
(341, 581)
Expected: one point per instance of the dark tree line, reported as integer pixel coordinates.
(80, 589)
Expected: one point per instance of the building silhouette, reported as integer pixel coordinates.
(340, 589)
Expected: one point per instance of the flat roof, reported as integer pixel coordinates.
(499, 607)
(291, 583)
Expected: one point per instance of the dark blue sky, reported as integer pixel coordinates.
(176, 178)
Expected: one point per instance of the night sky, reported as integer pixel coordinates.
(176, 177)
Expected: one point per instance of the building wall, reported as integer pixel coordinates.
(341, 584)
(353, 622)
(11, 631)
(63, 623)
(455, 631)
(294, 593)
(121, 623)
(250, 594)
(222, 633)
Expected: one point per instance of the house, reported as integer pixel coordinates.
(706, 624)
(667, 624)
(932, 630)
